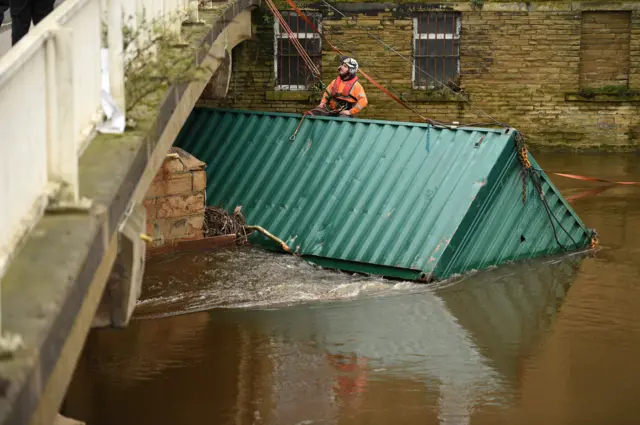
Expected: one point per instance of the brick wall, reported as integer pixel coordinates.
(175, 201)
(522, 65)
(601, 65)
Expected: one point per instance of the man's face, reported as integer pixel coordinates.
(343, 70)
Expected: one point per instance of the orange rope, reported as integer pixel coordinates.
(293, 136)
(294, 39)
(594, 179)
(588, 192)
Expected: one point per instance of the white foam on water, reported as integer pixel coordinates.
(248, 277)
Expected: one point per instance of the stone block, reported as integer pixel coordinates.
(178, 161)
(180, 205)
(171, 166)
(168, 229)
(150, 229)
(196, 222)
(199, 180)
(150, 207)
(174, 185)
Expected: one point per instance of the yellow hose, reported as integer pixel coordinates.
(270, 236)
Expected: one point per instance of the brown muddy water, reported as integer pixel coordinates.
(248, 337)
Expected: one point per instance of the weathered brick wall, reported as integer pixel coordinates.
(519, 65)
(600, 64)
(175, 201)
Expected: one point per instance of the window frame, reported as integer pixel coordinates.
(433, 36)
(278, 35)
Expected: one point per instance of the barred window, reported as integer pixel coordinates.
(290, 70)
(436, 49)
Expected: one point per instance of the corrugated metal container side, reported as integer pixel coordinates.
(380, 197)
(500, 228)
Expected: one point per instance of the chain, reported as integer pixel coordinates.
(523, 157)
(594, 240)
(524, 186)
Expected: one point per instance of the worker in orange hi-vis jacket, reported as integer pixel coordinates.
(345, 95)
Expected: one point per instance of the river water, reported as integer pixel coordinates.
(242, 336)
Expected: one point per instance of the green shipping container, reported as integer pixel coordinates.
(396, 199)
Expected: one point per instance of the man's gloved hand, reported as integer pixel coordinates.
(345, 112)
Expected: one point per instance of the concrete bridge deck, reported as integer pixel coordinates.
(79, 267)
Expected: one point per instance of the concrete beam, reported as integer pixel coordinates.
(125, 280)
(53, 287)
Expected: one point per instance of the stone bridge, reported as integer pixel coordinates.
(72, 179)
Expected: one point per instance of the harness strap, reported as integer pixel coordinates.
(346, 89)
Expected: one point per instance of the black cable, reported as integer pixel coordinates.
(546, 208)
(471, 108)
(549, 213)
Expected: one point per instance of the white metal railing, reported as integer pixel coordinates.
(51, 102)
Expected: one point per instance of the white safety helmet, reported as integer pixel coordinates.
(352, 64)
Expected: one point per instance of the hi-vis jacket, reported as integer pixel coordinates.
(350, 91)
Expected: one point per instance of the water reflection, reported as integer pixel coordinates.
(454, 350)
(587, 371)
(547, 341)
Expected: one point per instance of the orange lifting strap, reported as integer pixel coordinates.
(371, 80)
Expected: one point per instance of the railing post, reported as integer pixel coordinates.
(175, 13)
(116, 57)
(194, 16)
(62, 157)
(146, 19)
